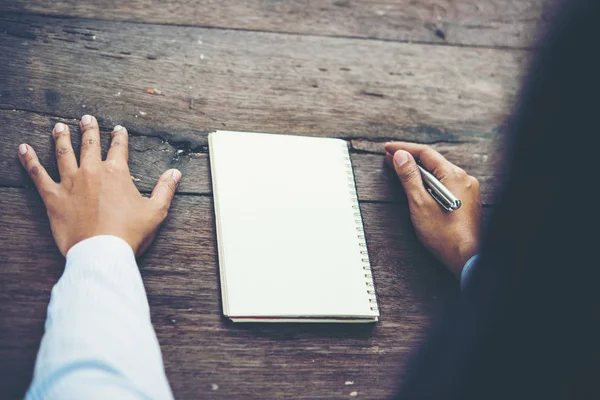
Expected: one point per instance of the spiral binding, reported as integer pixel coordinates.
(362, 243)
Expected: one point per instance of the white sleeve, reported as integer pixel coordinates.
(99, 342)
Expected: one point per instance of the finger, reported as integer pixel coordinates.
(39, 176)
(90, 140)
(431, 160)
(410, 176)
(65, 156)
(165, 188)
(118, 150)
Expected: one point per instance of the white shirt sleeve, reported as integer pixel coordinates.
(99, 342)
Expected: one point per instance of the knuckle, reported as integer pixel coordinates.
(170, 185)
(34, 171)
(428, 152)
(410, 174)
(115, 166)
(88, 169)
(55, 199)
(63, 151)
(417, 200)
(51, 196)
(460, 173)
(29, 158)
(121, 133)
(427, 149)
(162, 210)
(111, 165)
(89, 142)
(91, 127)
(62, 134)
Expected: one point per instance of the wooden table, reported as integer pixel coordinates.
(440, 72)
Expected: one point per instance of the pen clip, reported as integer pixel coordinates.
(438, 199)
(453, 206)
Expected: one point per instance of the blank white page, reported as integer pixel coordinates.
(289, 230)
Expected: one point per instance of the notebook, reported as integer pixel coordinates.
(290, 236)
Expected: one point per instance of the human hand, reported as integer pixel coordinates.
(98, 197)
(453, 237)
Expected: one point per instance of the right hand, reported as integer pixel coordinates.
(453, 237)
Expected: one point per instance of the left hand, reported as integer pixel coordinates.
(98, 197)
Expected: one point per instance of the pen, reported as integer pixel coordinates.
(439, 192)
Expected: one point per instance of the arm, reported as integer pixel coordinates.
(99, 342)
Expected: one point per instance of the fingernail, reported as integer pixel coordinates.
(86, 119)
(23, 149)
(117, 128)
(400, 158)
(176, 175)
(58, 128)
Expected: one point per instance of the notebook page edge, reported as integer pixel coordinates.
(360, 224)
(219, 231)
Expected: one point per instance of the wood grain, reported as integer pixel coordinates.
(329, 68)
(462, 22)
(199, 346)
(253, 81)
(150, 156)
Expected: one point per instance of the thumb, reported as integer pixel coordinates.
(410, 176)
(163, 192)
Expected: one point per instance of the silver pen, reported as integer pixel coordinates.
(439, 192)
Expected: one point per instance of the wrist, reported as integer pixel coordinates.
(98, 245)
(67, 243)
(465, 250)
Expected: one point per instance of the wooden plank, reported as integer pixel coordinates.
(464, 22)
(150, 156)
(253, 81)
(375, 181)
(200, 347)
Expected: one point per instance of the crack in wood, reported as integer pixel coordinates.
(529, 47)
(187, 145)
(191, 147)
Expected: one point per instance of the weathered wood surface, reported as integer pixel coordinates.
(254, 81)
(200, 346)
(465, 22)
(271, 67)
(150, 156)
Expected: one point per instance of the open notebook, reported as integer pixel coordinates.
(289, 230)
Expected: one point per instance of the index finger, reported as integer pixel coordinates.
(433, 161)
(29, 159)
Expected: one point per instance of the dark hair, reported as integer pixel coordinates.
(528, 325)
